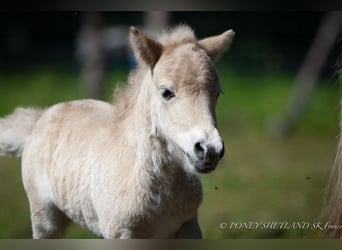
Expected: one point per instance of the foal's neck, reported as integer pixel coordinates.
(138, 122)
(154, 163)
(150, 146)
(141, 111)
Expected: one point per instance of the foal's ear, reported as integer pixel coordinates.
(145, 48)
(216, 45)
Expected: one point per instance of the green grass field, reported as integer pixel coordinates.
(261, 178)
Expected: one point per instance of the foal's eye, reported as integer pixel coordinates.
(167, 94)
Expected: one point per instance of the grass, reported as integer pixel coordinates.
(264, 178)
(261, 178)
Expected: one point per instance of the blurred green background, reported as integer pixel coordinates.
(262, 178)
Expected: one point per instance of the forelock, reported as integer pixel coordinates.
(177, 35)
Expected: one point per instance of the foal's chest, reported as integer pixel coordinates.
(178, 205)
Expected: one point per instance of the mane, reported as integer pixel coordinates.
(124, 95)
(332, 208)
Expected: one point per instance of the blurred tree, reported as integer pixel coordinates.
(156, 21)
(94, 41)
(91, 54)
(309, 72)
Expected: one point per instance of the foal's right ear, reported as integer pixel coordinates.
(216, 45)
(145, 48)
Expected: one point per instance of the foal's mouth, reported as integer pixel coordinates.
(202, 166)
(205, 168)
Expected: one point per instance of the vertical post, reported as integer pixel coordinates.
(91, 55)
(309, 71)
(155, 21)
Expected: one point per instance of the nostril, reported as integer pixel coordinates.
(200, 150)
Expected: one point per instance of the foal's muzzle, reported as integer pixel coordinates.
(208, 156)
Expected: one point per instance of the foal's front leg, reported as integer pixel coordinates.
(47, 221)
(190, 230)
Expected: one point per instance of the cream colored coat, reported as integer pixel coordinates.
(127, 169)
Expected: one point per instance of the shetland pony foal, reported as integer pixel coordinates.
(127, 169)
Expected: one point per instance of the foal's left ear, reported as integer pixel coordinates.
(216, 45)
(145, 48)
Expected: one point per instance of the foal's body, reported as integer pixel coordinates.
(133, 191)
(128, 169)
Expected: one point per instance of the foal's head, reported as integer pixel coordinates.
(184, 91)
